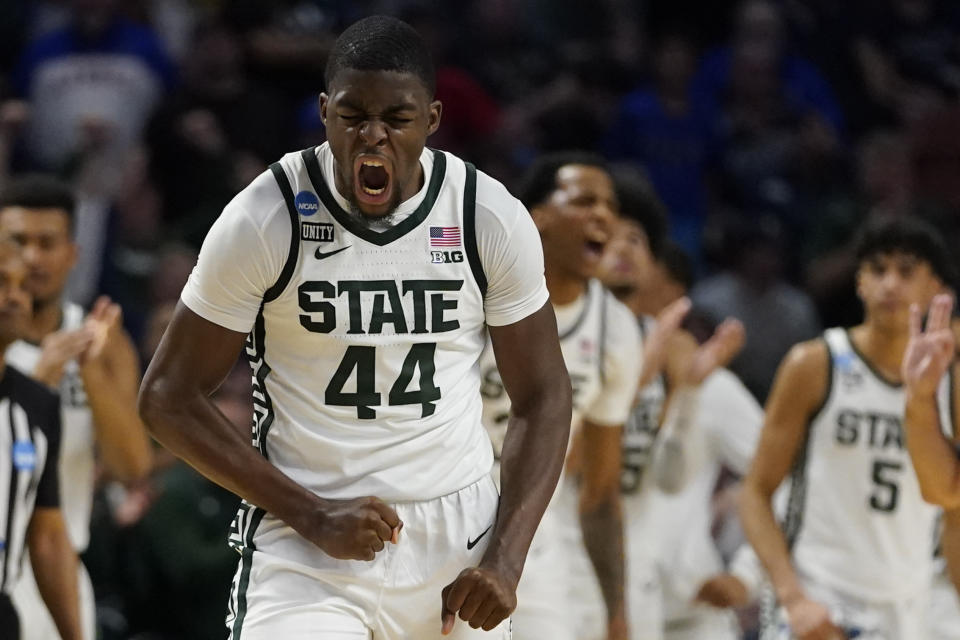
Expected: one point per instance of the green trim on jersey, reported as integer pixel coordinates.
(470, 229)
(287, 272)
(796, 501)
(256, 355)
(246, 563)
(876, 372)
(581, 318)
(357, 228)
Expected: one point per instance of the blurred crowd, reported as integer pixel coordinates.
(770, 130)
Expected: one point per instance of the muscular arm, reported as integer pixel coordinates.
(55, 569)
(192, 360)
(111, 383)
(535, 377)
(601, 516)
(798, 390)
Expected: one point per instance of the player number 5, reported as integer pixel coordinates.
(886, 491)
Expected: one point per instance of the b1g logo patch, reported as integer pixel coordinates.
(446, 257)
(24, 455)
(306, 203)
(316, 231)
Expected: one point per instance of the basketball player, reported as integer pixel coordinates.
(88, 358)
(855, 555)
(714, 422)
(362, 275)
(572, 201)
(30, 515)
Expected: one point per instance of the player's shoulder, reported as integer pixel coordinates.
(809, 359)
(261, 200)
(495, 203)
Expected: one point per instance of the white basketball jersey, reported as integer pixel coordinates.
(855, 519)
(365, 353)
(77, 441)
(582, 327)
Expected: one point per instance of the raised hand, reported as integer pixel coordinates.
(352, 529)
(930, 350)
(483, 598)
(718, 351)
(56, 350)
(103, 319)
(656, 342)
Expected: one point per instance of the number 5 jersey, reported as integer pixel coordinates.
(854, 516)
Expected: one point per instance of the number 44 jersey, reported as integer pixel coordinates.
(854, 515)
(364, 339)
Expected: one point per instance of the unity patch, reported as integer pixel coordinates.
(316, 231)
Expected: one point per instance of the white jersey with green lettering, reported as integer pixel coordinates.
(855, 520)
(365, 339)
(601, 348)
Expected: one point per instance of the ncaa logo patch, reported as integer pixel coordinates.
(307, 203)
(24, 455)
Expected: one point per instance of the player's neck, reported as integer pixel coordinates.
(564, 289)
(45, 319)
(883, 347)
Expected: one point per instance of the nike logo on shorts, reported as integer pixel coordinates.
(320, 255)
(472, 543)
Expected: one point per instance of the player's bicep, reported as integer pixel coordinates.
(799, 390)
(529, 359)
(194, 355)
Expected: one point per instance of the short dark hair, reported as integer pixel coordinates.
(677, 264)
(640, 204)
(906, 234)
(381, 43)
(541, 178)
(39, 191)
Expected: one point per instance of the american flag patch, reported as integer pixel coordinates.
(444, 236)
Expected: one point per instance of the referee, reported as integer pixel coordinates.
(30, 517)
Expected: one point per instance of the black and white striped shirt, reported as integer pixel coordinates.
(29, 445)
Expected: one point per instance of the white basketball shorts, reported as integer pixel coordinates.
(396, 596)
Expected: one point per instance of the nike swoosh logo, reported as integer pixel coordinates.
(320, 255)
(472, 543)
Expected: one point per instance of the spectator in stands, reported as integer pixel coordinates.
(91, 86)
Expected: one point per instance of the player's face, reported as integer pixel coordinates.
(377, 124)
(627, 260)
(576, 222)
(15, 300)
(48, 249)
(889, 283)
